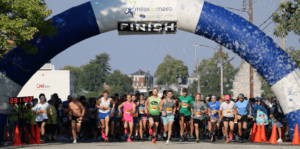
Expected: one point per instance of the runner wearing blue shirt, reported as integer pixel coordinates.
(213, 113)
(242, 115)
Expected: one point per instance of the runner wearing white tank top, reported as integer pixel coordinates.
(103, 104)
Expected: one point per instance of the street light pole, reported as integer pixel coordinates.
(221, 72)
(198, 73)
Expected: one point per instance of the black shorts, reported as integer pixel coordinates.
(228, 119)
(199, 122)
(186, 118)
(156, 118)
(74, 118)
(40, 123)
(243, 119)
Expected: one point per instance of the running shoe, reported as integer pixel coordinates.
(167, 142)
(106, 139)
(150, 131)
(150, 137)
(165, 135)
(279, 140)
(227, 141)
(75, 141)
(241, 140)
(192, 137)
(197, 140)
(129, 140)
(153, 140)
(99, 138)
(181, 139)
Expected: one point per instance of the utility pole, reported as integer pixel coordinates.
(282, 42)
(199, 89)
(221, 72)
(251, 70)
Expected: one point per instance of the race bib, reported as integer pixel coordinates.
(214, 111)
(198, 113)
(136, 115)
(65, 119)
(141, 111)
(228, 111)
(185, 105)
(169, 110)
(153, 108)
(105, 108)
(127, 111)
(43, 111)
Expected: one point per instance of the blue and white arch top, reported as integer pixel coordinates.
(195, 16)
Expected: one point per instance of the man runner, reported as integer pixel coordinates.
(185, 102)
(229, 112)
(152, 106)
(103, 104)
(198, 110)
(242, 115)
(40, 110)
(213, 108)
(76, 113)
(168, 107)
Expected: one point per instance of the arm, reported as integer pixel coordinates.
(250, 108)
(208, 110)
(120, 106)
(146, 104)
(134, 109)
(82, 108)
(161, 107)
(113, 104)
(70, 113)
(98, 103)
(219, 111)
(235, 113)
(179, 105)
(51, 113)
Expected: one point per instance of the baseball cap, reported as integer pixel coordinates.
(227, 97)
(73, 96)
(256, 98)
(241, 95)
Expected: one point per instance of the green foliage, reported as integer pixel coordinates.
(267, 91)
(210, 76)
(193, 88)
(288, 20)
(170, 69)
(21, 20)
(119, 83)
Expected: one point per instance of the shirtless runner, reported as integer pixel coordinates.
(76, 113)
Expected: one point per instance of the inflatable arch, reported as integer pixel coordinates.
(195, 16)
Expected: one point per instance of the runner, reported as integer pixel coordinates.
(277, 116)
(93, 121)
(198, 110)
(229, 111)
(76, 113)
(128, 110)
(222, 114)
(118, 115)
(168, 107)
(152, 106)
(135, 118)
(213, 108)
(142, 115)
(40, 109)
(185, 102)
(242, 115)
(103, 104)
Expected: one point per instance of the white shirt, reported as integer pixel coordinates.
(106, 105)
(41, 107)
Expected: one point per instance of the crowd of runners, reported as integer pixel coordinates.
(136, 117)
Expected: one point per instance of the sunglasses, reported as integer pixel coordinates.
(42, 97)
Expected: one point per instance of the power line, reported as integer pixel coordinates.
(208, 46)
(267, 25)
(268, 18)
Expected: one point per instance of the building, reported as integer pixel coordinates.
(47, 80)
(192, 78)
(241, 83)
(142, 81)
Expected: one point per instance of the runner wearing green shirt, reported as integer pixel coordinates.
(185, 102)
(152, 105)
(52, 121)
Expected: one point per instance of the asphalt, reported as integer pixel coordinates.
(204, 144)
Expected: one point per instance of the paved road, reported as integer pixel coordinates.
(204, 144)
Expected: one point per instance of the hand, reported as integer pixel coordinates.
(249, 116)
(143, 110)
(163, 113)
(101, 107)
(51, 113)
(80, 118)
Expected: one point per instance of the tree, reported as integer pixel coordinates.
(78, 72)
(95, 73)
(210, 76)
(119, 83)
(21, 21)
(287, 19)
(170, 70)
(193, 89)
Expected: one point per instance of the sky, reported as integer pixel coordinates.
(146, 52)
